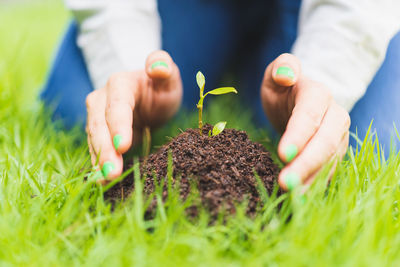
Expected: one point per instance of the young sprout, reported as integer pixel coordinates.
(217, 129)
(201, 81)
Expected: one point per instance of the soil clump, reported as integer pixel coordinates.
(221, 168)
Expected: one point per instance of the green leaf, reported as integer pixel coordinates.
(201, 81)
(218, 128)
(222, 91)
(209, 133)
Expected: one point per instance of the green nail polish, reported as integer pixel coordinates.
(292, 180)
(291, 152)
(285, 71)
(107, 168)
(159, 64)
(117, 141)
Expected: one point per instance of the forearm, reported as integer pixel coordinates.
(342, 43)
(116, 35)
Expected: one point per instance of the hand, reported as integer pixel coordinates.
(129, 102)
(315, 128)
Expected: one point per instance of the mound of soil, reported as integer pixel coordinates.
(222, 167)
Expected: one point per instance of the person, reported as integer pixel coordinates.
(141, 54)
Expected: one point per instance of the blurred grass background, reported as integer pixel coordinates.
(50, 217)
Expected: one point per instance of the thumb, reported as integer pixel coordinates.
(284, 70)
(163, 94)
(162, 70)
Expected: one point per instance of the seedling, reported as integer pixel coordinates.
(217, 129)
(201, 81)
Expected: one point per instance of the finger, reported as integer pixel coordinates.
(122, 90)
(99, 136)
(335, 160)
(97, 176)
(163, 71)
(93, 155)
(324, 144)
(310, 105)
(162, 97)
(159, 65)
(283, 71)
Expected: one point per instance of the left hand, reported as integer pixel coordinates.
(315, 128)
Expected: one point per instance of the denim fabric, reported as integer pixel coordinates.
(68, 82)
(381, 101)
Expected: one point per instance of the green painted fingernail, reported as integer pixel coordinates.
(291, 152)
(285, 71)
(107, 168)
(292, 180)
(117, 141)
(159, 64)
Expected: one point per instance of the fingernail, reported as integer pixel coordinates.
(117, 141)
(107, 168)
(285, 71)
(159, 64)
(290, 152)
(292, 180)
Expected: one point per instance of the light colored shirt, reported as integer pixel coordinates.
(341, 43)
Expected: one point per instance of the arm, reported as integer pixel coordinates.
(116, 35)
(342, 43)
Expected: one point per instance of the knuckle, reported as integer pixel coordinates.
(114, 105)
(344, 115)
(109, 107)
(90, 130)
(331, 148)
(92, 127)
(304, 167)
(313, 118)
(347, 119)
(104, 154)
(90, 100)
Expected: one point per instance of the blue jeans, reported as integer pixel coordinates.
(219, 37)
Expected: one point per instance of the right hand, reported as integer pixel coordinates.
(129, 102)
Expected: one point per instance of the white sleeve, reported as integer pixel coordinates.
(342, 43)
(116, 35)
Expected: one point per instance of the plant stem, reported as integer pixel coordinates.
(200, 107)
(146, 141)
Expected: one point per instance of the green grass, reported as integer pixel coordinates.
(50, 216)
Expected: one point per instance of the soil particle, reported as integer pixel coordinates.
(221, 167)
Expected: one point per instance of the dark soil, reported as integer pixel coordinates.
(221, 167)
